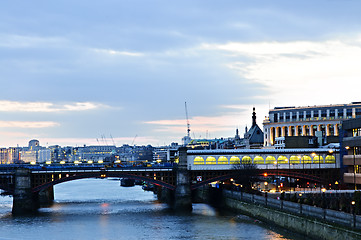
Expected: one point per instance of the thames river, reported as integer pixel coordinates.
(101, 209)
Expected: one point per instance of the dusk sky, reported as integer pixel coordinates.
(72, 71)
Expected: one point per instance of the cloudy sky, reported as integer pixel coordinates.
(74, 71)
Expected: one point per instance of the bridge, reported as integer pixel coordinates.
(33, 185)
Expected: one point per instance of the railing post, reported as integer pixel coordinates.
(266, 200)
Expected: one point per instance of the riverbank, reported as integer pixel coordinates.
(311, 228)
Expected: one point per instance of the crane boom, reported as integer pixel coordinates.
(188, 125)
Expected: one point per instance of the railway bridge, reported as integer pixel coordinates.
(33, 185)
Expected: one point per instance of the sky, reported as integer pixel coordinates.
(93, 72)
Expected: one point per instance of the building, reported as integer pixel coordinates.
(296, 142)
(321, 121)
(352, 143)
(253, 138)
(34, 153)
(94, 153)
(9, 155)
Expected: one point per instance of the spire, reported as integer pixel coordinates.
(254, 117)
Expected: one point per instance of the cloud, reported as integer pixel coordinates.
(118, 53)
(24, 41)
(139, 140)
(13, 106)
(299, 72)
(199, 124)
(27, 124)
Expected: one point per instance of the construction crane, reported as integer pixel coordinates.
(188, 125)
(112, 139)
(134, 139)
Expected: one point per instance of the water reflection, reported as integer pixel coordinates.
(101, 209)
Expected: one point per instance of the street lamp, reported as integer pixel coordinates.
(336, 183)
(353, 213)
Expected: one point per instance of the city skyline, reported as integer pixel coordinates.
(73, 72)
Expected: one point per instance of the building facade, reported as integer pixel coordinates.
(352, 143)
(320, 121)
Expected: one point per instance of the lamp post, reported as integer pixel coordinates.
(353, 213)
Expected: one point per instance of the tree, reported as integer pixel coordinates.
(246, 175)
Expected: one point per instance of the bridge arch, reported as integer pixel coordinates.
(101, 175)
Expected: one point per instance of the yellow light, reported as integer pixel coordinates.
(117, 161)
(90, 162)
(32, 163)
(330, 151)
(76, 162)
(347, 147)
(100, 161)
(323, 189)
(275, 162)
(353, 202)
(336, 182)
(48, 162)
(62, 162)
(265, 183)
(158, 160)
(231, 179)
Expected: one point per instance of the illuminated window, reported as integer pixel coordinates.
(270, 159)
(246, 160)
(198, 161)
(235, 160)
(282, 160)
(222, 160)
(295, 159)
(211, 160)
(306, 159)
(258, 160)
(330, 159)
(317, 159)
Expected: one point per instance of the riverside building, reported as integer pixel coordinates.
(352, 143)
(320, 121)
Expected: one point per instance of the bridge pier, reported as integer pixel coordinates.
(183, 196)
(24, 201)
(46, 197)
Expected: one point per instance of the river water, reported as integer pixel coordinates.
(101, 209)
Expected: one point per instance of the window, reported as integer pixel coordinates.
(356, 132)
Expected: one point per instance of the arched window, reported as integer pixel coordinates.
(234, 160)
(222, 160)
(258, 160)
(211, 160)
(295, 159)
(282, 160)
(246, 160)
(270, 160)
(198, 161)
(330, 159)
(306, 159)
(317, 159)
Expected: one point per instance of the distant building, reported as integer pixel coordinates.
(34, 153)
(322, 121)
(94, 153)
(253, 138)
(9, 155)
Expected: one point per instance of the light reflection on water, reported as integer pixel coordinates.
(101, 209)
